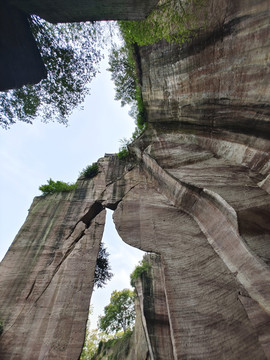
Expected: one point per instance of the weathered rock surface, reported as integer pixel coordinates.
(221, 79)
(47, 273)
(20, 60)
(81, 10)
(196, 191)
(151, 291)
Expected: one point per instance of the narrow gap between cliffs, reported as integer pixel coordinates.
(123, 259)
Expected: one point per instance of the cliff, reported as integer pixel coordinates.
(195, 191)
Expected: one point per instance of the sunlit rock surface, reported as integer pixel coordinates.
(195, 191)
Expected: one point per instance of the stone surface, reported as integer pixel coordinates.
(207, 319)
(20, 61)
(151, 290)
(221, 79)
(82, 10)
(47, 278)
(195, 191)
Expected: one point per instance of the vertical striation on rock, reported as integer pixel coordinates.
(201, 291)
(47, 278)
(221, 79)
(151, 290)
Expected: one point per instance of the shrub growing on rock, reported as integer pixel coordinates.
(90, 171)
(143, 267)
(56, 187)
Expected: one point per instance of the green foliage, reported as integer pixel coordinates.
(172, 20)
(124, 74)
(115, 348)
(94, 340)
(71, 56)
(123, 153)
(56, 187)
(102, 271)
(120, 313)
(90, 171)
(143, 267)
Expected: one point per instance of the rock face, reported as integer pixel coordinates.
(151, 291)
(94, 10)
(20, 60)
(48, 271)
(221, 79)
(195, 191)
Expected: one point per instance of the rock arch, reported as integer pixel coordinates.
(46, 282)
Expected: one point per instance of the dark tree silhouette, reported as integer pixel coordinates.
(102, 271)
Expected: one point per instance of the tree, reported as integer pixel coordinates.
(123, 70)
(142, 268)
(71, 54)
(120, 313)
(102, 271)
(91, 344)
(123, 74)
(56, 186)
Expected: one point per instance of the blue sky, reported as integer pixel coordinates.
(31, 154)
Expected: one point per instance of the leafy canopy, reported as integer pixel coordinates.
(102, 271)
(172, 20)
(123, 74)
(91, 344)
(71, 54)
(120, 313)
(56, 187)
(143, 267)
(123, 68)
(90, 171)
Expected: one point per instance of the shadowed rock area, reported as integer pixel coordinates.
(195, 191)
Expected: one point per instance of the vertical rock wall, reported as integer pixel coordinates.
(207, 319)
(47, 278)
(151, 290)
(221, 79)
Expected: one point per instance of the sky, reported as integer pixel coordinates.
(32, 154)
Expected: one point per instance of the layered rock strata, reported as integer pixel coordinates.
(221, 79)
(195, 190)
